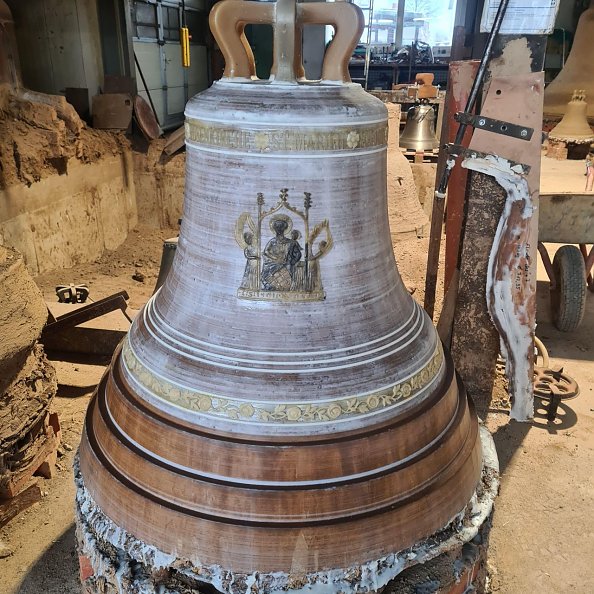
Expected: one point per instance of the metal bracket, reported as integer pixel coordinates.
(497, 126)
(457, 150)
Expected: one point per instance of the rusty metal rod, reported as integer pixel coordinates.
(146, 89)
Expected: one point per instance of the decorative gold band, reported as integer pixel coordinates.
(286, 140)
(281, 412)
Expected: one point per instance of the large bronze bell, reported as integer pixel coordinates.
(281, 406)
(419, 130)
(578, 70)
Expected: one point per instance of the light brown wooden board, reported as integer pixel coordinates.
(518, 100)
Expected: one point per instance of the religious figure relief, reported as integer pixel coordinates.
(282, 261)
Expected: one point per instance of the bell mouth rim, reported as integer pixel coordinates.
(461, 527)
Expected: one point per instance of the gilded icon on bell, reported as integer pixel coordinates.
(282, 261)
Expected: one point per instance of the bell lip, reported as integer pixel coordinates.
(95, 525)
(469, 466)
(572, 138)
(446, 381)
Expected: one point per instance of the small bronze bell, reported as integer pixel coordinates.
(578, 71)
(419, 132)
(574, 127)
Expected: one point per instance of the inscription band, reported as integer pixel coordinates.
(286, 140)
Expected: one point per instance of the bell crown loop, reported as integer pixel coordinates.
(229, 18)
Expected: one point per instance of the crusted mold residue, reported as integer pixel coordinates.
(511, 294)
(123, 564)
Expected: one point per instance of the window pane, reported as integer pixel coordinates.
(171, 34)
(145, 13)
(170, 24)
(145, 19)
(146, 32)
(173, 18)
(428, 21)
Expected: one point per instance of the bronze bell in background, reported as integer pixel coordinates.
(574, 127)
(419, 131)
(282, 415)
(578, 72)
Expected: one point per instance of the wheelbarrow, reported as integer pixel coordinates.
(567, 218)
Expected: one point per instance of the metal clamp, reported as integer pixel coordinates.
(492, 125)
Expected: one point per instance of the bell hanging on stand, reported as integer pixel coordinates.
(419, 131)
(282, 415)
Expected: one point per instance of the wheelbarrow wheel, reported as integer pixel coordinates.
(568, 295)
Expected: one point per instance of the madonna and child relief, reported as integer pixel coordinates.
(282, 254)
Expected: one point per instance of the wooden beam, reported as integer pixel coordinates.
(461, 76)
(514, 72)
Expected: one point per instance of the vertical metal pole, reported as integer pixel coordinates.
(368, 48)
(399, 24)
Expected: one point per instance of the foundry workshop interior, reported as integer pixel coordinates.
(295, 296)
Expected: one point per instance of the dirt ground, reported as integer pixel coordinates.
(543, 533)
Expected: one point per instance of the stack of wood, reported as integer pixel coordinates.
(29, 433)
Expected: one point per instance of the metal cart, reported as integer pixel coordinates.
(568, 218)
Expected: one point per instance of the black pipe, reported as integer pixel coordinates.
(476, 87)
(146, 89)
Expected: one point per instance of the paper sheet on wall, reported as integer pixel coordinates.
(525, 17)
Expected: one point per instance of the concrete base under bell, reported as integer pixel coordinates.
(452, 560)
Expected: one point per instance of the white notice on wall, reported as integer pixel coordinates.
(525, 17)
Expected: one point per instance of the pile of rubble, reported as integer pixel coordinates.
(40, 134)
(29, 433)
